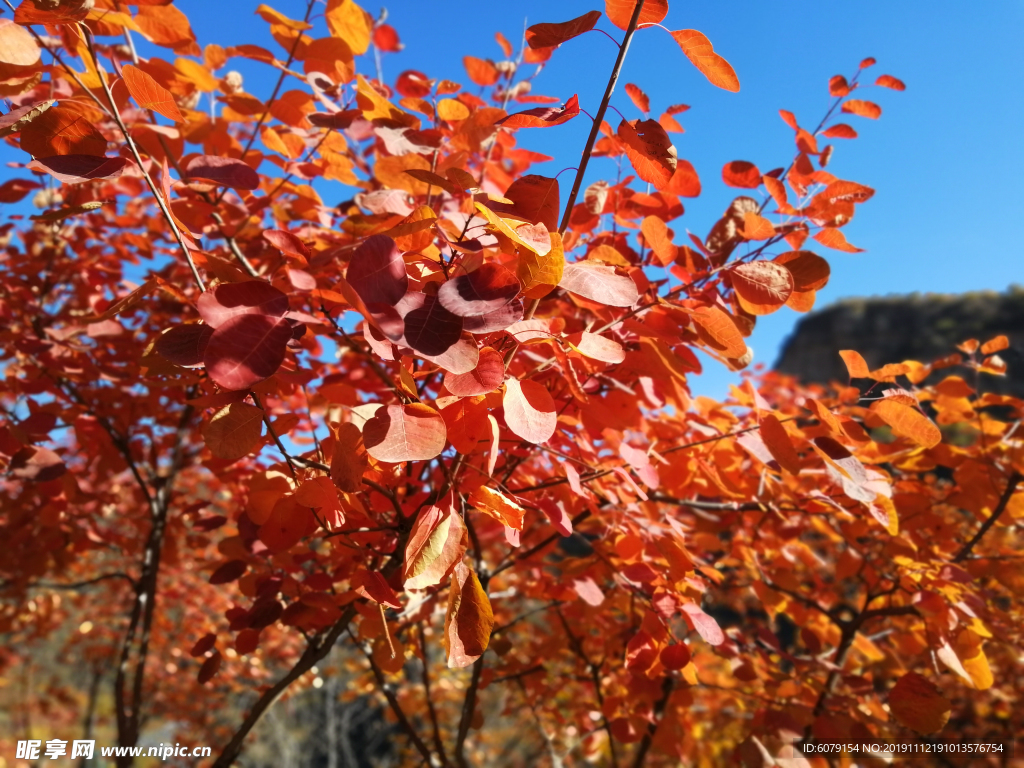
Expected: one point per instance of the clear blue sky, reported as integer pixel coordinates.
(944, 157)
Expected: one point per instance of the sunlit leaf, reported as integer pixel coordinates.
(701, 53)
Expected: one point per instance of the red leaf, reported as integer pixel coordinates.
(638, 97)
(486, 377)
(149, 94)
(837, 86)
(789, 118)
(486, 290)
(535, 198)
(225, 171)
(529, 410)
(428, 327)
(701, 53)
(184, 345)
(675, 656)
(600, 283)
(38, 464)
(377, 271)
(718, 330)
(211, 666)
(286, 242)
(619, 12)
(542, 117)
(74, 169)
(246, 349)
(740, 173)
(227, 572)
(917, 703)
(233, 431)
(862, 108)
(888, 81)
(13, 190)
(399, 433)
(203, 644)
(650, 151)
(371, 584)
(228, 300)
(549, 35)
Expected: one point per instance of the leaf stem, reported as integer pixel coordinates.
(595, 129)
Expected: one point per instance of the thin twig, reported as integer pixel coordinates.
(1004, 501)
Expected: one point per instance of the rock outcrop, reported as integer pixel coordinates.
(920, 327)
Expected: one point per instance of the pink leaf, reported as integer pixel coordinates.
(486, 377)
(478, 293)
(253, 297)
(706, 626)
(599, 283)
(529, 410)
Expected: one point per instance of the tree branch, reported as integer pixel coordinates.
(1004, 501)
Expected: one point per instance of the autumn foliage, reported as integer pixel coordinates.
(441, 437)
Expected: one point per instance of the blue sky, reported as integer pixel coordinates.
(944, 157)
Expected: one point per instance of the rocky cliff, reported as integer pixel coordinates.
(920, 327)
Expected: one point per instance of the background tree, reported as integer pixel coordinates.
(438, 441)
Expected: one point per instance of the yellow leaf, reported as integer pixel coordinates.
(348, 21)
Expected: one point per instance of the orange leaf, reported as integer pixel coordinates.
(62, 130)
(149, 94)
(650, 151)
(17, 46)
(701, 53)
(718, 330)
(498, 506)
(762, 286)
(907, 421)
(776, 189)
(638, 97)
(756, 227)
(348, 461)
(469, 620)
(840, 131)
(998, 344)
(658, 237)
(542, 117)
(619, 12)
(481, 71)
(832, 238)
(888, 81)
(740, 173)
(810, 271)
(348, 21)
(779, 444)
(862, 108)
(918, 704)
(855, 364)
(437, 543)
(549, 35)
(233, 431)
